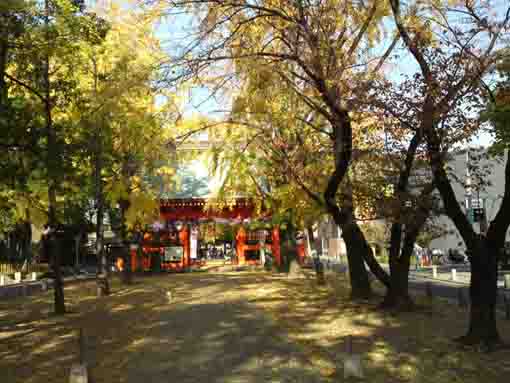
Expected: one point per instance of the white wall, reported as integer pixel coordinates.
(492, 194)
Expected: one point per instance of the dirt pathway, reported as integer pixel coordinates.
(214, 332)
(237, 327)
(214, 329)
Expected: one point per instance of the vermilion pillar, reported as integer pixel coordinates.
(240, 244)
(301, 252)
(276, 245)
(184, 238)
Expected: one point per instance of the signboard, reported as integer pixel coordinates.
(194, 242)
(478, 214)
(174, 253)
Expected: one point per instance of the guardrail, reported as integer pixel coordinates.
(26, 288)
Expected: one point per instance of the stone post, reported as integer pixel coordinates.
(461, 298)
(454, 275)
(34, 276)
(262, 253)
(78, 374)
(352, 362)
(434, 271)
(79, 371)
(428, 290)
(507, 281)
(17, 277)
(3, 280)
(506, 302)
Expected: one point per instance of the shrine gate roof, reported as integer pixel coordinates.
(195, 209)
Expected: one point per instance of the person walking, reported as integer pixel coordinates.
(418, 255)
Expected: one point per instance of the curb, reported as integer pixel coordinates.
(449, 281)
(15, 290)
(439, 280)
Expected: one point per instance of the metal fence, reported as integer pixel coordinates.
(7, 268)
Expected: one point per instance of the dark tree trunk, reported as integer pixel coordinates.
(355, 243)
(357, 247)
(27, 243)
(397, 295)
(53, 165)
(58, 284)
(360, 282)
(127, 275)
(483, 295)
(369, 258)
(289, 253)
(103, 286)
(483, 252)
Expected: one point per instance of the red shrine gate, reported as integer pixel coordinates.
(177, 234)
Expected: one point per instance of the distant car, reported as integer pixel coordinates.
(456, 256)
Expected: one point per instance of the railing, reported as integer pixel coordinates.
(7, 268)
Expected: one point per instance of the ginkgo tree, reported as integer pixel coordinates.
(40, 76)
(81, 95)
(124, 125)
(320, 51)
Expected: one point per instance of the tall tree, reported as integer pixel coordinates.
(42, 71)
(453, 54)
(321, 51)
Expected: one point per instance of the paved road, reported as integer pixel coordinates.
(442, 286)
(447, 288)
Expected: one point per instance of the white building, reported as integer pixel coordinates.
(478, 178)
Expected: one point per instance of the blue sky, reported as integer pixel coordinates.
(174, 31)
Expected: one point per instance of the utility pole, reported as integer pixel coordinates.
(469, 202)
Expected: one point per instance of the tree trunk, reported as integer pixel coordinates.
(52, 164)
(360, 282)
(397, 295)
(289, 253)
(483, 294)
(77, 242)
(483, 252)
(27, 242)
(127, 276)
(356, 247)
(355, 242)
(58, 285)
(103, 287)
(369, 258)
